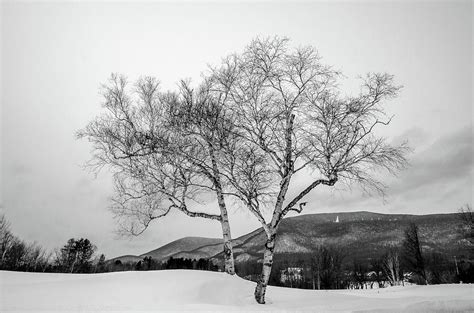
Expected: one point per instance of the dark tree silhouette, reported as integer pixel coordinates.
(76, 256)
(101, 265)
(412, 252)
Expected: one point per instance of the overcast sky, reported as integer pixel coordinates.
(54, 57)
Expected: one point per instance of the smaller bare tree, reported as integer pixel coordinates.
(163, 148)
(37, 257)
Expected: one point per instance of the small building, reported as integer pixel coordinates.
(291, 274)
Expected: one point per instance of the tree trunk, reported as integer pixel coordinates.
(229, 266)
(288, 167)
(74, 263)
(319, 281)
(4, 254)
(267, 268)
(226, 236)
(228, 252)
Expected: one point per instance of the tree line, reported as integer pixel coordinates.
(19, 255)
(150, 264)
(78, 256)
(328, 267)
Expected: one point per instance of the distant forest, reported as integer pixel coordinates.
(328, 267)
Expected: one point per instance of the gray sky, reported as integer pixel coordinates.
(54, 57)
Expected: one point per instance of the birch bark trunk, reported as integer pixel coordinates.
(319, 281)
(277, 215)
(262, 283)
(229, 266)
(227, 238)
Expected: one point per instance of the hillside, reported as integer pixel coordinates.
(357, 234)
(187, 247)
(186, 291)
(194, 247)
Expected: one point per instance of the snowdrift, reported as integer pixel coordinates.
(183, 290)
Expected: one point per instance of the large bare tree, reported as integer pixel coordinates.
(163, 149)
(291, 117)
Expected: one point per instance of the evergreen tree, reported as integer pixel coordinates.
(75, 256)
(412, 253)
(101, 266)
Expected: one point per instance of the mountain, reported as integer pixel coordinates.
(210, 250)
(127, 258)
(187, 247)
(357, 234)
(183, 246)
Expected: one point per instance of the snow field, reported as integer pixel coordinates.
(188, 291)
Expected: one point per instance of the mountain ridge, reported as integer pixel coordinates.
(362, 232)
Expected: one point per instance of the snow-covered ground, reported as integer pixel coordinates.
(181, 290)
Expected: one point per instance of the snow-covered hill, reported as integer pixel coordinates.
(362, 235)
(182, 245)
(181, 290)
(187, 247)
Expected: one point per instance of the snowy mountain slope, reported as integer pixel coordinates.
(359, 234)
(181, 290)
(187, 247)
(183, 245)
(208, 251)
(180, 245)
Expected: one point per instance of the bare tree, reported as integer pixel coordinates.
(163, 149)
(467, 219)
(6, 238)
(326, 266)
(391, 267)
(292, 118)
(37, 257)
(19, 255)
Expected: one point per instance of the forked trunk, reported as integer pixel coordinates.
(277, 215)
(267, 269)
